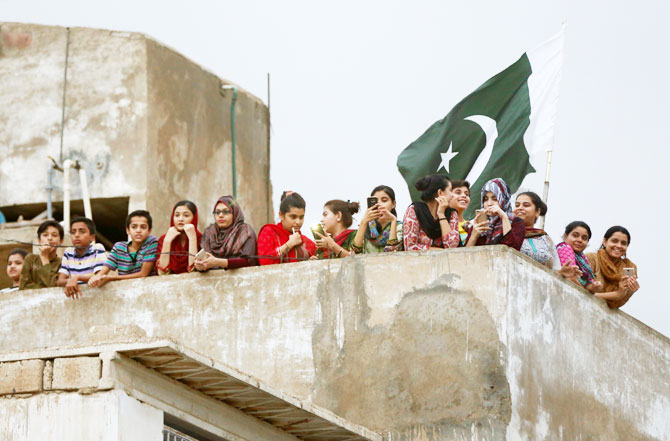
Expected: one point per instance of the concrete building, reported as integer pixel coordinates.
(148, 126)
(466, 344)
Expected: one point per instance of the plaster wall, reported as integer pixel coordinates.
(462, 344)
(144, 121)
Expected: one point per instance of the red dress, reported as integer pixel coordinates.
(272, 236)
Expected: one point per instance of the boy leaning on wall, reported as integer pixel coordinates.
(83, 260)
(132, 259)
(41, 270)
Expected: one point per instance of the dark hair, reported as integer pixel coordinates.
(20, 251)
(430, 185)
(617, 229)
(389, 191)
(188, 204)
(290, 199)
(460, 183)
(89, 223)
(50, 223)
(536, 200)
(572, 225)
(346, 208)
(139, 213)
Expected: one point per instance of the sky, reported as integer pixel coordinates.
(353, 83)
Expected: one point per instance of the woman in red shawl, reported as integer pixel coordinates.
(179, 245)
(283, 242)
(229, 242)
(336, 220)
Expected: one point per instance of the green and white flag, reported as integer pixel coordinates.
(502, 129)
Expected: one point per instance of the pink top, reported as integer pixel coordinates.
(417, 239)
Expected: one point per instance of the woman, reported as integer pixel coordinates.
(336, 220)
(379, 230)
(229, 242)
(283, 242)
(501, 227)
(609, 264)
(179, 245)
(537, 244)
(431, 224)
(460, 200)
(571, 250)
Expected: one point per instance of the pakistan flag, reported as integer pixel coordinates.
(501, 130)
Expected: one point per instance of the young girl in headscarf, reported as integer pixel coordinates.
(336, 220)
(379, 230)
(229, 242)
(283, 242)
(571, 250)
(501, 227)
(179, 245)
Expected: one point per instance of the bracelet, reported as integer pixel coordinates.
(392, 242)
(356, 249)
(442, 218)
(340, 253)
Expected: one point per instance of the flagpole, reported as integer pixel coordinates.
(545, 194)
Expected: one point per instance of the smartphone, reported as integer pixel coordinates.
(629, 272)
(201, 254)
(372, 201)
(480, 216)
(317, 230)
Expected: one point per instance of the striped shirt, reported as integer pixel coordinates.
(125, 262)
(92, 261)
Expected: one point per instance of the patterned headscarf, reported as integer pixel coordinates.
(239, 239)
(504, 196)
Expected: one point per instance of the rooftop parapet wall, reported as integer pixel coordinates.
(144, 121)
(462, 344)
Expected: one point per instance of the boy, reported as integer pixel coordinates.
(132, 259)
(83, 260)
(14, 266)
(41, 270)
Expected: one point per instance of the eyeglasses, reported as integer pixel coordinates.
(221, 212)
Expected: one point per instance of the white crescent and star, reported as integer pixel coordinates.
(488, 125)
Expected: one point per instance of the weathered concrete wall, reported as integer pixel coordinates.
(143, 120)
(464, 344)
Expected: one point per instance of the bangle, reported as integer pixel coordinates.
(340, 253)
(442, 218)
(356, 248)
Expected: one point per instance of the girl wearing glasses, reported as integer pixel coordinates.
(179, 245)
(229, 242)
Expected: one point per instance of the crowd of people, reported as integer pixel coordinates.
(435, 222)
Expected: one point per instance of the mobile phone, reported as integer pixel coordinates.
(317, 231)
(480, 216)
(629, 272)
(372, 201)
(200, 255)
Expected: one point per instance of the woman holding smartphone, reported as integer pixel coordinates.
(229, 242)
(283, 242)
(613, 269)
(338, 238)
(379, 230)
(495, 223)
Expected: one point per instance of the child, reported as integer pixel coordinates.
(83, 260)
(41, 270)
(132, 259)
(336, 220)
(14, 266)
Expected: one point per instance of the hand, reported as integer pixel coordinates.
(325, 242)
(294, 240)
(570, 271)
(495, 210)
(630, 283)
(204, 264)
(189, 229)
(386, 214)
(442, 205)
(97, 280)
(480, 228)
(72, 288)
(596, 287)
(372, 213)
(46, 249)
(172, 232)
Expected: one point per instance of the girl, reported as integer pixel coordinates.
(431, 224)
(460, 201)
(537, 244)
(571, 250)
(178, 246)
(283, 242)
(608, 267)
(14, 267)
(379, 230)
(336, 220)
(501, 227)
(229, 242)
